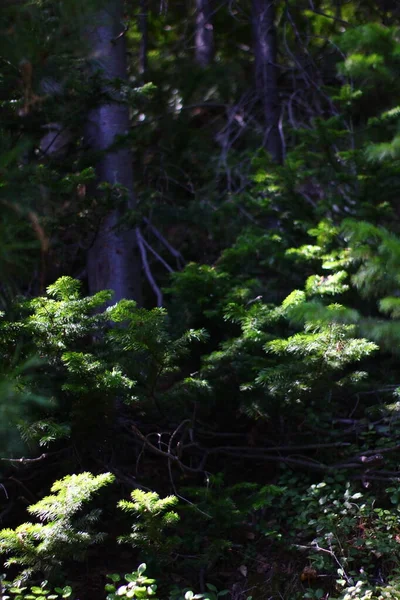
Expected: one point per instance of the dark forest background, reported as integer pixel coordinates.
(200, 299)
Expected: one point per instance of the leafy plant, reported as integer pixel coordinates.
(15, 591)
(212, 593)
(138, 585)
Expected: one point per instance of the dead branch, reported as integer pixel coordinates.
(165, 454)
(24, 461)
(146, 268)
(323, 14)
(158, 257)
(175, 253)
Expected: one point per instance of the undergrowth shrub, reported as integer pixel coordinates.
(152, 530)
(65, 532)
(137, 585)
(285, 377)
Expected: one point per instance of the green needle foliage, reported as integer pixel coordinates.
(265, 393)
(65, 532)
(83, 364)
(154, 522)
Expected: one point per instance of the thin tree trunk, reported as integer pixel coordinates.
(266, 73)
(143, 27)
(204, 37)
(113, 260)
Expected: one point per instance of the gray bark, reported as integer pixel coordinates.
(113, 260)
(204, 36)
(143, 27)
(266, 73)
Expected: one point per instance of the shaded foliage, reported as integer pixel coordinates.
(250, 425)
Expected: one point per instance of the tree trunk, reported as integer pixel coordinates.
(143, 28)
(266, 73)
(204, 38)
(113, 260)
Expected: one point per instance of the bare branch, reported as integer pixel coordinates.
(175, 253)
(164, 454)
(158, 257)
(147, 269)
(24, 461)
(322, 14)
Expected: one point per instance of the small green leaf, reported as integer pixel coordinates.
(122, 590)
(152, 589)
(140, 590)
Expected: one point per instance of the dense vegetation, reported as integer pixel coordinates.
(200, 299)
